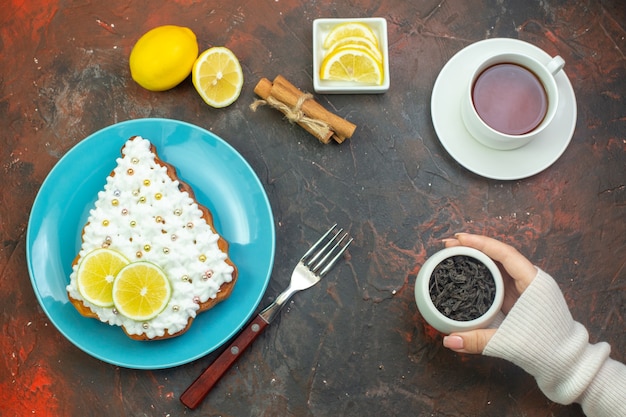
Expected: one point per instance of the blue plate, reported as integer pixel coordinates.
(222, 181)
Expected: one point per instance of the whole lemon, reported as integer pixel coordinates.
(163, 57)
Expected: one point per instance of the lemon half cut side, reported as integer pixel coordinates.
(217, 76)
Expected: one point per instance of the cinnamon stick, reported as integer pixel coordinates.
(264, 89)
(301, 108)
(289, 94)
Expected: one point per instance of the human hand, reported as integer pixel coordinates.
(517, 273)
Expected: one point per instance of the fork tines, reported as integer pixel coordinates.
(334, 245)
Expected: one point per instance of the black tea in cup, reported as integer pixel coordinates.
(510, 98)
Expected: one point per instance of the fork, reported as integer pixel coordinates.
(313, 265)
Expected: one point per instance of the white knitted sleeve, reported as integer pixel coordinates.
(540, 335)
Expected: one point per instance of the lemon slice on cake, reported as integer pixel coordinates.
(217, 76)
(96, 273)
(141, 291)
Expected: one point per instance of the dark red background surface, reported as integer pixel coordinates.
(355, 344)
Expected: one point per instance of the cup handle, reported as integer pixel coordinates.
(555, 65)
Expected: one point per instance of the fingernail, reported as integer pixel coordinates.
(448, 240)
(460, 234)
(453, 342)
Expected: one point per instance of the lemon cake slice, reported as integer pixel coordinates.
(146, 226)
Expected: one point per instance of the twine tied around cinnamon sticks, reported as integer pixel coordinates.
(300, 108)
(318, 128)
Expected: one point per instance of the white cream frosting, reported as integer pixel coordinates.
(142, 214)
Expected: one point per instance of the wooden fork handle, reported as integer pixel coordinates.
(193, 396)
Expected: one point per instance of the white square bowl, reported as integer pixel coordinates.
(321, 28)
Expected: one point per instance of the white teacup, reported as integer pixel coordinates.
(502, 106)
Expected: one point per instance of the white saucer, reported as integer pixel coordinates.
(492, 163)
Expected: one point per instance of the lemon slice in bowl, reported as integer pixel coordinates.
(96, 273)
(349, 29)
(351, 64)
(358, 42)
(217, 76)
(141, 291)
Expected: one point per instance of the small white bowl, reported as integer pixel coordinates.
(321, 28)
(437, 319)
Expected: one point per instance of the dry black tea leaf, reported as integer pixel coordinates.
(462, 288)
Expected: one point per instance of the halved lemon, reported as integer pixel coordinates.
(217, 76)
(141, 291)
(96, 273)
(349, 29)
(358, 42)
(351, 64)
